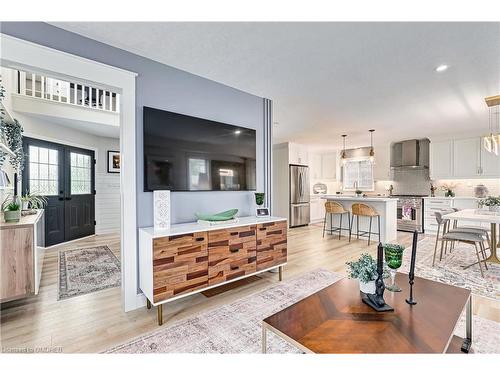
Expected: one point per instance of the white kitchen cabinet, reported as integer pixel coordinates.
(445, 205)
(490, 163)
(317, 205)
(329, 166)
(441, 159)
(466, 158)
(315, 166)
(298, 154)
(382, 165)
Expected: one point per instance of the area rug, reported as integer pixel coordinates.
(237, 327)
(83, 271)
(450, 269)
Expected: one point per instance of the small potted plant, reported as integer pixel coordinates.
(365, 270)
(493, 203)
(359, 193)
(259, 199)
(448, 189)
(11, 210)
(33, 201)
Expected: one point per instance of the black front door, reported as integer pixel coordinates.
(65, 175)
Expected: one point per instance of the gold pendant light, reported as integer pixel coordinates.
(372, 150)
(343, 156)
(491, 141)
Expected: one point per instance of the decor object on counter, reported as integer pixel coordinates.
(448, 189)
(411, 275)
(389, 189)
(359, 193)
(372, 150)
(491, 142)
(161, 209)
(433, 190)
(365, 270)
(11, 209)
(320, 188)
(114, 161)
(376, 300)
(259, 201)
(393, 259)
(480, 191)
(219, 222)
(493, 203)
(33, 201)
(221, 216)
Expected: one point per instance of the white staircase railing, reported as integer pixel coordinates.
(56, 90)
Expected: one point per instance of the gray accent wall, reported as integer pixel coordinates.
(164, 87)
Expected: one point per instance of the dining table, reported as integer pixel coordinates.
(481, 216)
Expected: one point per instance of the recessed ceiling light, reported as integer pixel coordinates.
(237, 131)
(441, 68)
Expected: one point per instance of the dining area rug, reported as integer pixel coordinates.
(83, 271)
(450, 269)
(237, 327)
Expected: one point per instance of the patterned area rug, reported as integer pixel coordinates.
(450, 271)
(236, 327)
(84, 271)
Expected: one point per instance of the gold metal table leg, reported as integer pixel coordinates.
(148, 304)
(280, 269)
(160, 314)
(493, 258)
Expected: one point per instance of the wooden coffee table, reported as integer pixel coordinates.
(335, 320)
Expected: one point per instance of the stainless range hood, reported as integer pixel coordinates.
(410, 154)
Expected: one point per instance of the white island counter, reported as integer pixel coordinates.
(386, 207)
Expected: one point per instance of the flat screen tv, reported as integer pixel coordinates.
(186, 153)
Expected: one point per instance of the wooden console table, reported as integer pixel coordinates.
(190, 258)
(335, 320)
(21, 261)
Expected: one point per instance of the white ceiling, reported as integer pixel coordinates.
(327, 79)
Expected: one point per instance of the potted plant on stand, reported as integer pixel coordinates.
(33, 201)
(11, 210)
(365, 270)
(493, 203)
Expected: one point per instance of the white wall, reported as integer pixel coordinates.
(107, 200)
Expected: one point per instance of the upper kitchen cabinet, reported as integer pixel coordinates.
(323, 165)
(466, 158)
(463, 158)
(382, 167)
(329, 166)
(441, 159)
(489, 163)
(298, 154)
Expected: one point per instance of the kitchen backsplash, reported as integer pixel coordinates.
(411, 181)
(466, 187)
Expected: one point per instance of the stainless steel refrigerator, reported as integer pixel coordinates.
(299, 195)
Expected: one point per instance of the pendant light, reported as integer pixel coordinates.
(342, 154)
(372, 151)
(491, 141)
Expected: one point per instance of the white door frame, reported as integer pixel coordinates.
(20, 54)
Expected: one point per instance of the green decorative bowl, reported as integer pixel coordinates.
(221, 216)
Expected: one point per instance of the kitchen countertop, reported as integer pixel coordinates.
(459, 197)
(343, 197)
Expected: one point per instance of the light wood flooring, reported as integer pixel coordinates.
(95, 322)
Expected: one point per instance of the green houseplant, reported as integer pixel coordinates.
(359, 193)
(11, 209)
(33, 200)
(365, 270)
(259, 199)
(493, 203)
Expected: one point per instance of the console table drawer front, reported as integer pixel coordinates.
(231, 253)
(271, 244)
(180, 265)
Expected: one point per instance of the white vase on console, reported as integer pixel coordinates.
(161, 209)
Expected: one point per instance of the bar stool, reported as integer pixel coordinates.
(334, 208)
(361, 209)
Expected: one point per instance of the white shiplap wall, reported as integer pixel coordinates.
(107, 203)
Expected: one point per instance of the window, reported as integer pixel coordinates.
(43, 170)
(81, 170)
(358, 174)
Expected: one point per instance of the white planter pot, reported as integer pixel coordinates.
(494, 208)
(367, 288)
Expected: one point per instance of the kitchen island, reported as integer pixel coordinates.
(386, 207)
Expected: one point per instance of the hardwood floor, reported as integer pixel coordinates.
(96, 322)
